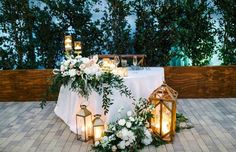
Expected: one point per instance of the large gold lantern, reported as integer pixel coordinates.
(68, 43)
(163, 122)
(84, 124)
(98, 128)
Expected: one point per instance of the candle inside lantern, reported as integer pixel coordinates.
(98, 133)
(68, 43)
(77, 45)
(83, 123)
(165, 127)
(68, 39)
(68, 46)
(98, 128)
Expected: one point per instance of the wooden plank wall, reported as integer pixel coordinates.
(190, 82)
(23, 85)
(202, 82)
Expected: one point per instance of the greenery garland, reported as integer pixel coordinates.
(84, 75)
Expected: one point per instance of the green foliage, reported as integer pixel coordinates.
(227, 31)
(32, 34)
(155, 30)
(195, 32)
(116, 30)
(83, 75)
(16, 22)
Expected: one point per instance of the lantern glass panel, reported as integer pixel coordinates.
(84, 127)
(166, 120)
(156, 119)
(98, 132)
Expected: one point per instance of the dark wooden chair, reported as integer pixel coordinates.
(140, 58)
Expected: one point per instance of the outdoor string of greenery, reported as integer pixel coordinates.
(32, 32)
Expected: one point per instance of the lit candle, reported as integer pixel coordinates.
(68, 46)
(68, 39)
(77, 45)
(165, 127)
(98, 133)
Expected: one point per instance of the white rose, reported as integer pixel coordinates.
(131, 119)
(148, 137)
(121, 145)
(78, 57)
(129, 113)
(82, 66)
(98, 74)
(62, 68)
(113, 148)
(119, 135)
(96, 143)
(127, 143)
(105, 138)
(121, 122)
(95, 58)
(85, 60)
(72, 72)
(128, 124)
(87, 71)
(65, 74)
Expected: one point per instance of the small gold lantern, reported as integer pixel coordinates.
(68, 43)
(163, 122)
(98, 128)
(83, 123)
(77, 47)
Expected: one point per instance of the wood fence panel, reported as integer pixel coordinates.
(23, 85)
(202, 82)
(190, 82)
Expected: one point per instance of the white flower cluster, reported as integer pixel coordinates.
(79, 65)
(124, 133)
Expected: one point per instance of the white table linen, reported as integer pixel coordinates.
(140, 82)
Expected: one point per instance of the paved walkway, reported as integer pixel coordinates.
(25, 127)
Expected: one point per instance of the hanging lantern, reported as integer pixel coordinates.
(163, 122)
(98, 128)
(83, 123)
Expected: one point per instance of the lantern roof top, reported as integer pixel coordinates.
(164, 92)
(83, 112)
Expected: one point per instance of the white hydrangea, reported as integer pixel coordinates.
(121, 145)
(148, 137)
(127, 135)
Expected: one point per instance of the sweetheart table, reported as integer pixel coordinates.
(141, 83)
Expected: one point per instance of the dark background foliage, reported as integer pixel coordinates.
(32, 34)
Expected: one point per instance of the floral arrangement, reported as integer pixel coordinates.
(85, 75)
(129, 133)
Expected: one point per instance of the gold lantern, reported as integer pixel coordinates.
(98, 128)
(68, 43)
(84, 123)
(163, 122)
(77, 47)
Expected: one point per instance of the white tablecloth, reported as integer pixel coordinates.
(140, 82)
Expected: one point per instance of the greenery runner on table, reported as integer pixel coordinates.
(84, 75)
